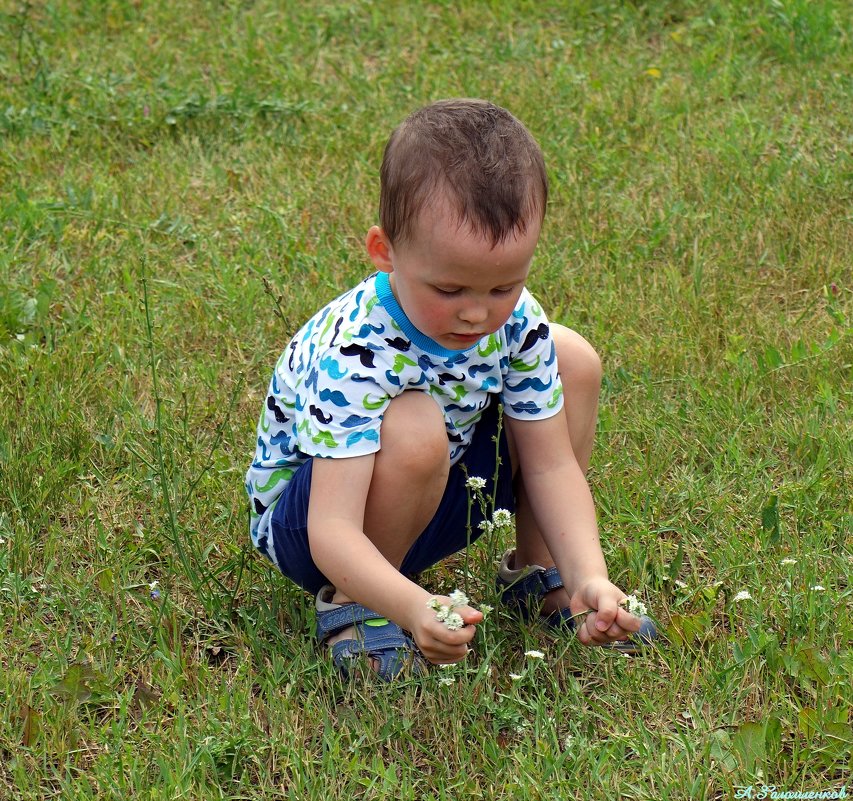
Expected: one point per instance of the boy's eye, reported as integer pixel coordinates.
(503, 290)
(447, 291)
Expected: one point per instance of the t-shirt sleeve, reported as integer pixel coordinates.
(340, 404)
(532, 388)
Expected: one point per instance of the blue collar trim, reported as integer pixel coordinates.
(418, 339)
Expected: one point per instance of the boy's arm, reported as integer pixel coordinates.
(345, 555)
(563, 508)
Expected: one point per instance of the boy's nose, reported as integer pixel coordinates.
(474, 314)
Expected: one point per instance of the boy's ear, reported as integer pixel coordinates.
(379, 249)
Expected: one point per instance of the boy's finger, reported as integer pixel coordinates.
(454, 637)
(606, 614)
(470, 615)
(627, 621)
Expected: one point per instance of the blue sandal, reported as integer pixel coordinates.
(523, 589)
(377, 638)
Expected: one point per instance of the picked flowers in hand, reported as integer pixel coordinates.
(634, 606)
(448, 614)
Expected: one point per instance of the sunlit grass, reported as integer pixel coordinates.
(699, 235)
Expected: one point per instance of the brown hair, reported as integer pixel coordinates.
(478, 155)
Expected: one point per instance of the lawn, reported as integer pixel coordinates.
(182, 184)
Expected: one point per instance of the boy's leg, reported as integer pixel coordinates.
(409, 476)
(580, 371)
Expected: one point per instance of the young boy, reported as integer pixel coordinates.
(387, 399)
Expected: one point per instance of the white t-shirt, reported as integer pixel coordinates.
(337, 376)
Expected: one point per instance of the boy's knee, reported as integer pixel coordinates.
(579, 364)
(413, 433)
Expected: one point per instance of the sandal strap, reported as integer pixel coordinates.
(551, 579)
(332, 621)
(393, 650)
(386, 642)
(537, 582)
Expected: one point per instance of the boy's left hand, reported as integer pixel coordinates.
(607, 621)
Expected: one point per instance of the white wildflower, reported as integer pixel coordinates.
(501, 518)
(458, 598)
(454, 621)
(153, 585)
(818, 588)
(475, 483)
(515, 676)
(743, 595)
(446, 614)
(446, 679)
(680, 584)
(535, 654)
(634, 606)
(485, 609)
(788, 561)
(2, 541)
(486, 526)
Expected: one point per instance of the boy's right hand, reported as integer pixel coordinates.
(438, 643)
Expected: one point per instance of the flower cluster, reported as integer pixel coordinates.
(447, 614)
(500, 519)
(634, 606)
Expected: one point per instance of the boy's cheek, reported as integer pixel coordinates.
(434, 316)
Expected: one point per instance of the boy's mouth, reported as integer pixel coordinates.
(468, 337)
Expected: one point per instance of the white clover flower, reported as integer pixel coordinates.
(635, 606)
(818, 588)
(788, 561)
(535, 654)
(458, 598)
(446, 614)
(501, 518)
(475, 483)
(454, 621)
(516, 676)
(743, 595)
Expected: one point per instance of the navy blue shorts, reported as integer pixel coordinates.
(447, 531)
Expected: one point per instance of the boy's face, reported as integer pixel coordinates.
(453, 285)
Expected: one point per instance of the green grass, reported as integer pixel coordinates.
(700, 235)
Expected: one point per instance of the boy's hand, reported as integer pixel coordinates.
(607, 621)
(438, 643)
